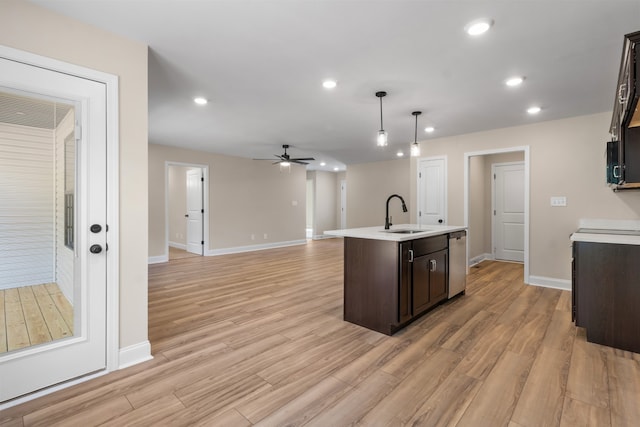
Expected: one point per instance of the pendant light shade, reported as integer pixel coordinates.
(415, 147)
(383, 137)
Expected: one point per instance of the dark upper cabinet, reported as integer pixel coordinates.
(623, 169)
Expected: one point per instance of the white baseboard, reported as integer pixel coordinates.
(178, 245)
(251, 248)
(550, 282)
(322, 236)
(134, 354)
(478, 259)
(158, 259)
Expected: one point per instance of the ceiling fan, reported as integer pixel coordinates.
(286, 160)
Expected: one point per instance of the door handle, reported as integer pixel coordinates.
(96, 228)
(186, 215)
(433, 265)
(95, 249)
(410, 255)
(440, 221)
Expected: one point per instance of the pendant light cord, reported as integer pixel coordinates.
(415, 136)
(381, 125)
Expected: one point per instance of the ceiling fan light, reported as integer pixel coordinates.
(383, 138)
(285, 164)
(415, 150)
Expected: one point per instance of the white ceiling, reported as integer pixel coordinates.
(261, 64)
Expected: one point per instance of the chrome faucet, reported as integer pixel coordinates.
(387, 223)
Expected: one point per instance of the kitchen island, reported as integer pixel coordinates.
(605, 290)
(392, 277)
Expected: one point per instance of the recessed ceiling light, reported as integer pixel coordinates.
(533, 110)
(429, 129)
(479, 26)
(329, 84)
(336, 169)
(200, 100)
(514, 81)
(400, 154)
(323, 164)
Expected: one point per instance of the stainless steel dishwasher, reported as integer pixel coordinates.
(457, 262)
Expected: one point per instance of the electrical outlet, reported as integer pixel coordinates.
(558, 201)
(253, 237)
(294, 203)
(266, 236)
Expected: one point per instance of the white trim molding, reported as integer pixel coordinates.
(178, 246)
(482, 257)
(134, 354)
(158, 259)
(550, 282)
(251, 248)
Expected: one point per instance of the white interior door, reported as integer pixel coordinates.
(343, 204)
(508, 214)
(432, 191)
(53, 141)
(195, 211)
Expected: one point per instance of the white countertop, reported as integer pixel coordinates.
(379, 233)
(621, 232)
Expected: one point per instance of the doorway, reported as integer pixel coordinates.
(59, 314)
(480, 206)
(186, 210)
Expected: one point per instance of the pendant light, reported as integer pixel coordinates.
(382, 134)
(415, 147)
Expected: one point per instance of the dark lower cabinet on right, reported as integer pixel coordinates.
(606, 293)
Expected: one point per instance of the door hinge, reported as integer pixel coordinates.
(201, 210)
(494, 212)
(419, 174)
(78, 131)
(202, 242)
(202, 179)
(494, 176)
(420, 213)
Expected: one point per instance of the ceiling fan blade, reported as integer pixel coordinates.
(298, 161)
(303, 158)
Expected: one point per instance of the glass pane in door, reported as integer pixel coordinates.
(38, 291)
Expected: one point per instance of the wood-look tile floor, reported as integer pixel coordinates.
(175, 253)
(32, 315)
(258, 339)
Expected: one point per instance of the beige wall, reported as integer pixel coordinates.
(245, 197)
(566, 159)
(33, 29)
(368, 187)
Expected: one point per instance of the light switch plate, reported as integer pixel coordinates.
(559, 201)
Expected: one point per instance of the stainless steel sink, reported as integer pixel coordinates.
(404, 231)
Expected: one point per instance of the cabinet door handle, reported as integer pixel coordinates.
(410, 255)
(616, 171)
(432, 265)
(622, 98)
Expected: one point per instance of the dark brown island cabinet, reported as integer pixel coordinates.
(388, 284)
(606, 293)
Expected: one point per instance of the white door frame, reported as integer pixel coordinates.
(493, 202)
(527, 168)
(419, 189)
(113, 208)
(343, 203)
(205, 203)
